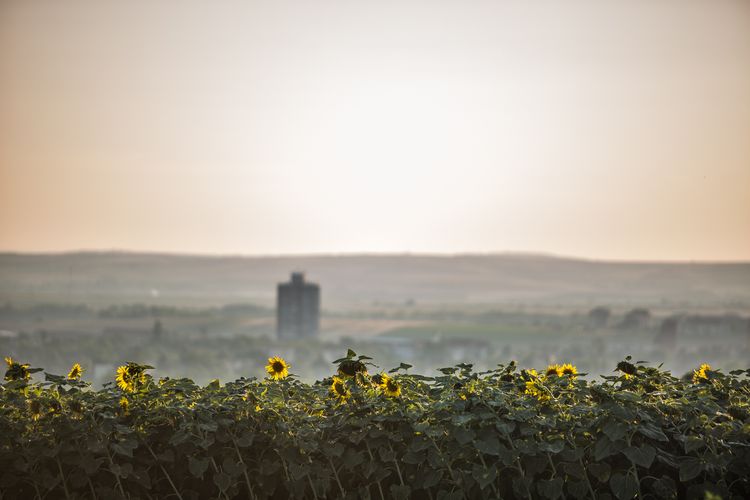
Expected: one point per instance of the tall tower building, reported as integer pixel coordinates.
(297, 308)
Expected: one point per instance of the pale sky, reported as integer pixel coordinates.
(599, 129)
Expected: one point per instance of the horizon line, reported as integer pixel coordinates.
(405, 253)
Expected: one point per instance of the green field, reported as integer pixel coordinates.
(363, 433)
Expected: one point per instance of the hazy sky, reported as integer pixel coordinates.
(603, 129)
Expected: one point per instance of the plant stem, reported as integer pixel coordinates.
(247, 479)
(164, 470)
(336, 475)
(62, 478)
(398, 469)
(380, 488)
(484, 464)
(588, 482)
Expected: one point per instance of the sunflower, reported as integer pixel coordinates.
(35, 408)
(124, 405)
(75, 372)
(628, 369)
(277, 368)
(569, 369)
(702, 373)
(380, 378)
(555, 370)
(350, 368)
(339, 389)
(76, 407)
(16, 370)
(131, 377)
(535, 388)
(391, 388)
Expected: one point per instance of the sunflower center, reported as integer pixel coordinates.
(277, 366)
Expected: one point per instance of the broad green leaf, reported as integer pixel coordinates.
(623, 486)
(488, 444)
(484, 476)
(643, 456)
(197, 466)
(222, 481)
(600, 471)
(650, 430)
(690, 468)
(400, 492)
(550, 488)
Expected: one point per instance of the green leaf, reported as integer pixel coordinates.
(665, 487)
(600, 471)
(623, 486)
(690, 468)
(91, 464)
(574, 469)
(550, 488)
(693, 443)
(413, 457)
(400, 492)
(629, 396)
(335, 450)
(577, 489)
(121, 470)
(615, 430)
(505, 427)
(483, 475)
(488, 444)
(245, 440)
(232, 466)
(431, 478)
(222, 481)
(552, 446)
(463, 435)
(604, 448)
(197, 466)
(125, 447)
(643, 456)
(650, 430)
(298, 471)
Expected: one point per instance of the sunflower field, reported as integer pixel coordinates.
(369, 433)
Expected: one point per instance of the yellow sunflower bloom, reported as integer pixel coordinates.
(124, 404)
(534, 388)
(379, 379)
(391, 388)
(75, 372)
(130, 377)
(277, 368)
(569, 369)
(339, 389)
(701, 374)
(16, 370)
(555, 370)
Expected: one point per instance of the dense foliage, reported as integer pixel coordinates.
(505, 433)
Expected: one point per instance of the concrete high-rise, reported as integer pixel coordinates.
(297, 308)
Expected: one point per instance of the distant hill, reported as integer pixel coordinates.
(359, 280)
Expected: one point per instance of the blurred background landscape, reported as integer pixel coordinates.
(474, 182)
(215, 317)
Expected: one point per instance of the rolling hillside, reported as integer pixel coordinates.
(361, 280)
